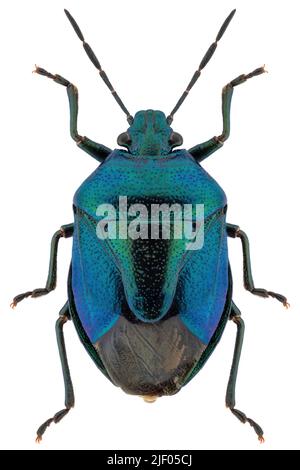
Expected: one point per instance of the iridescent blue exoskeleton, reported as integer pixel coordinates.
(148, 311)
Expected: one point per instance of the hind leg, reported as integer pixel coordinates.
(235, 316)
(64, 316)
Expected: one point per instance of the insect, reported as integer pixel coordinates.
(148, 311)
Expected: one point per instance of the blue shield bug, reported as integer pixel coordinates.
(149, 306)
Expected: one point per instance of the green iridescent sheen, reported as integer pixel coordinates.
(150, 134)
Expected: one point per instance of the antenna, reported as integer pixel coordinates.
(96, 63)
(203, 63)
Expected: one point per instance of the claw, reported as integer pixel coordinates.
(38, 439)
(286, 304)
(261, 439)
(13, 305)
(264, 67)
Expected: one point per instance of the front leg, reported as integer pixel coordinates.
(202, 151)
(97, 151)
(234, 231)
(65, 231)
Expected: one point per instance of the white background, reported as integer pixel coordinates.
(150, 50)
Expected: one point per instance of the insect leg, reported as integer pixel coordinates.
(202, 151)
(65, 231)
(234, 231)
(235, 316)
(64, 316)
(97, 151)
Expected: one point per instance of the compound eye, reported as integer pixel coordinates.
(124, 139)
(175, 139)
